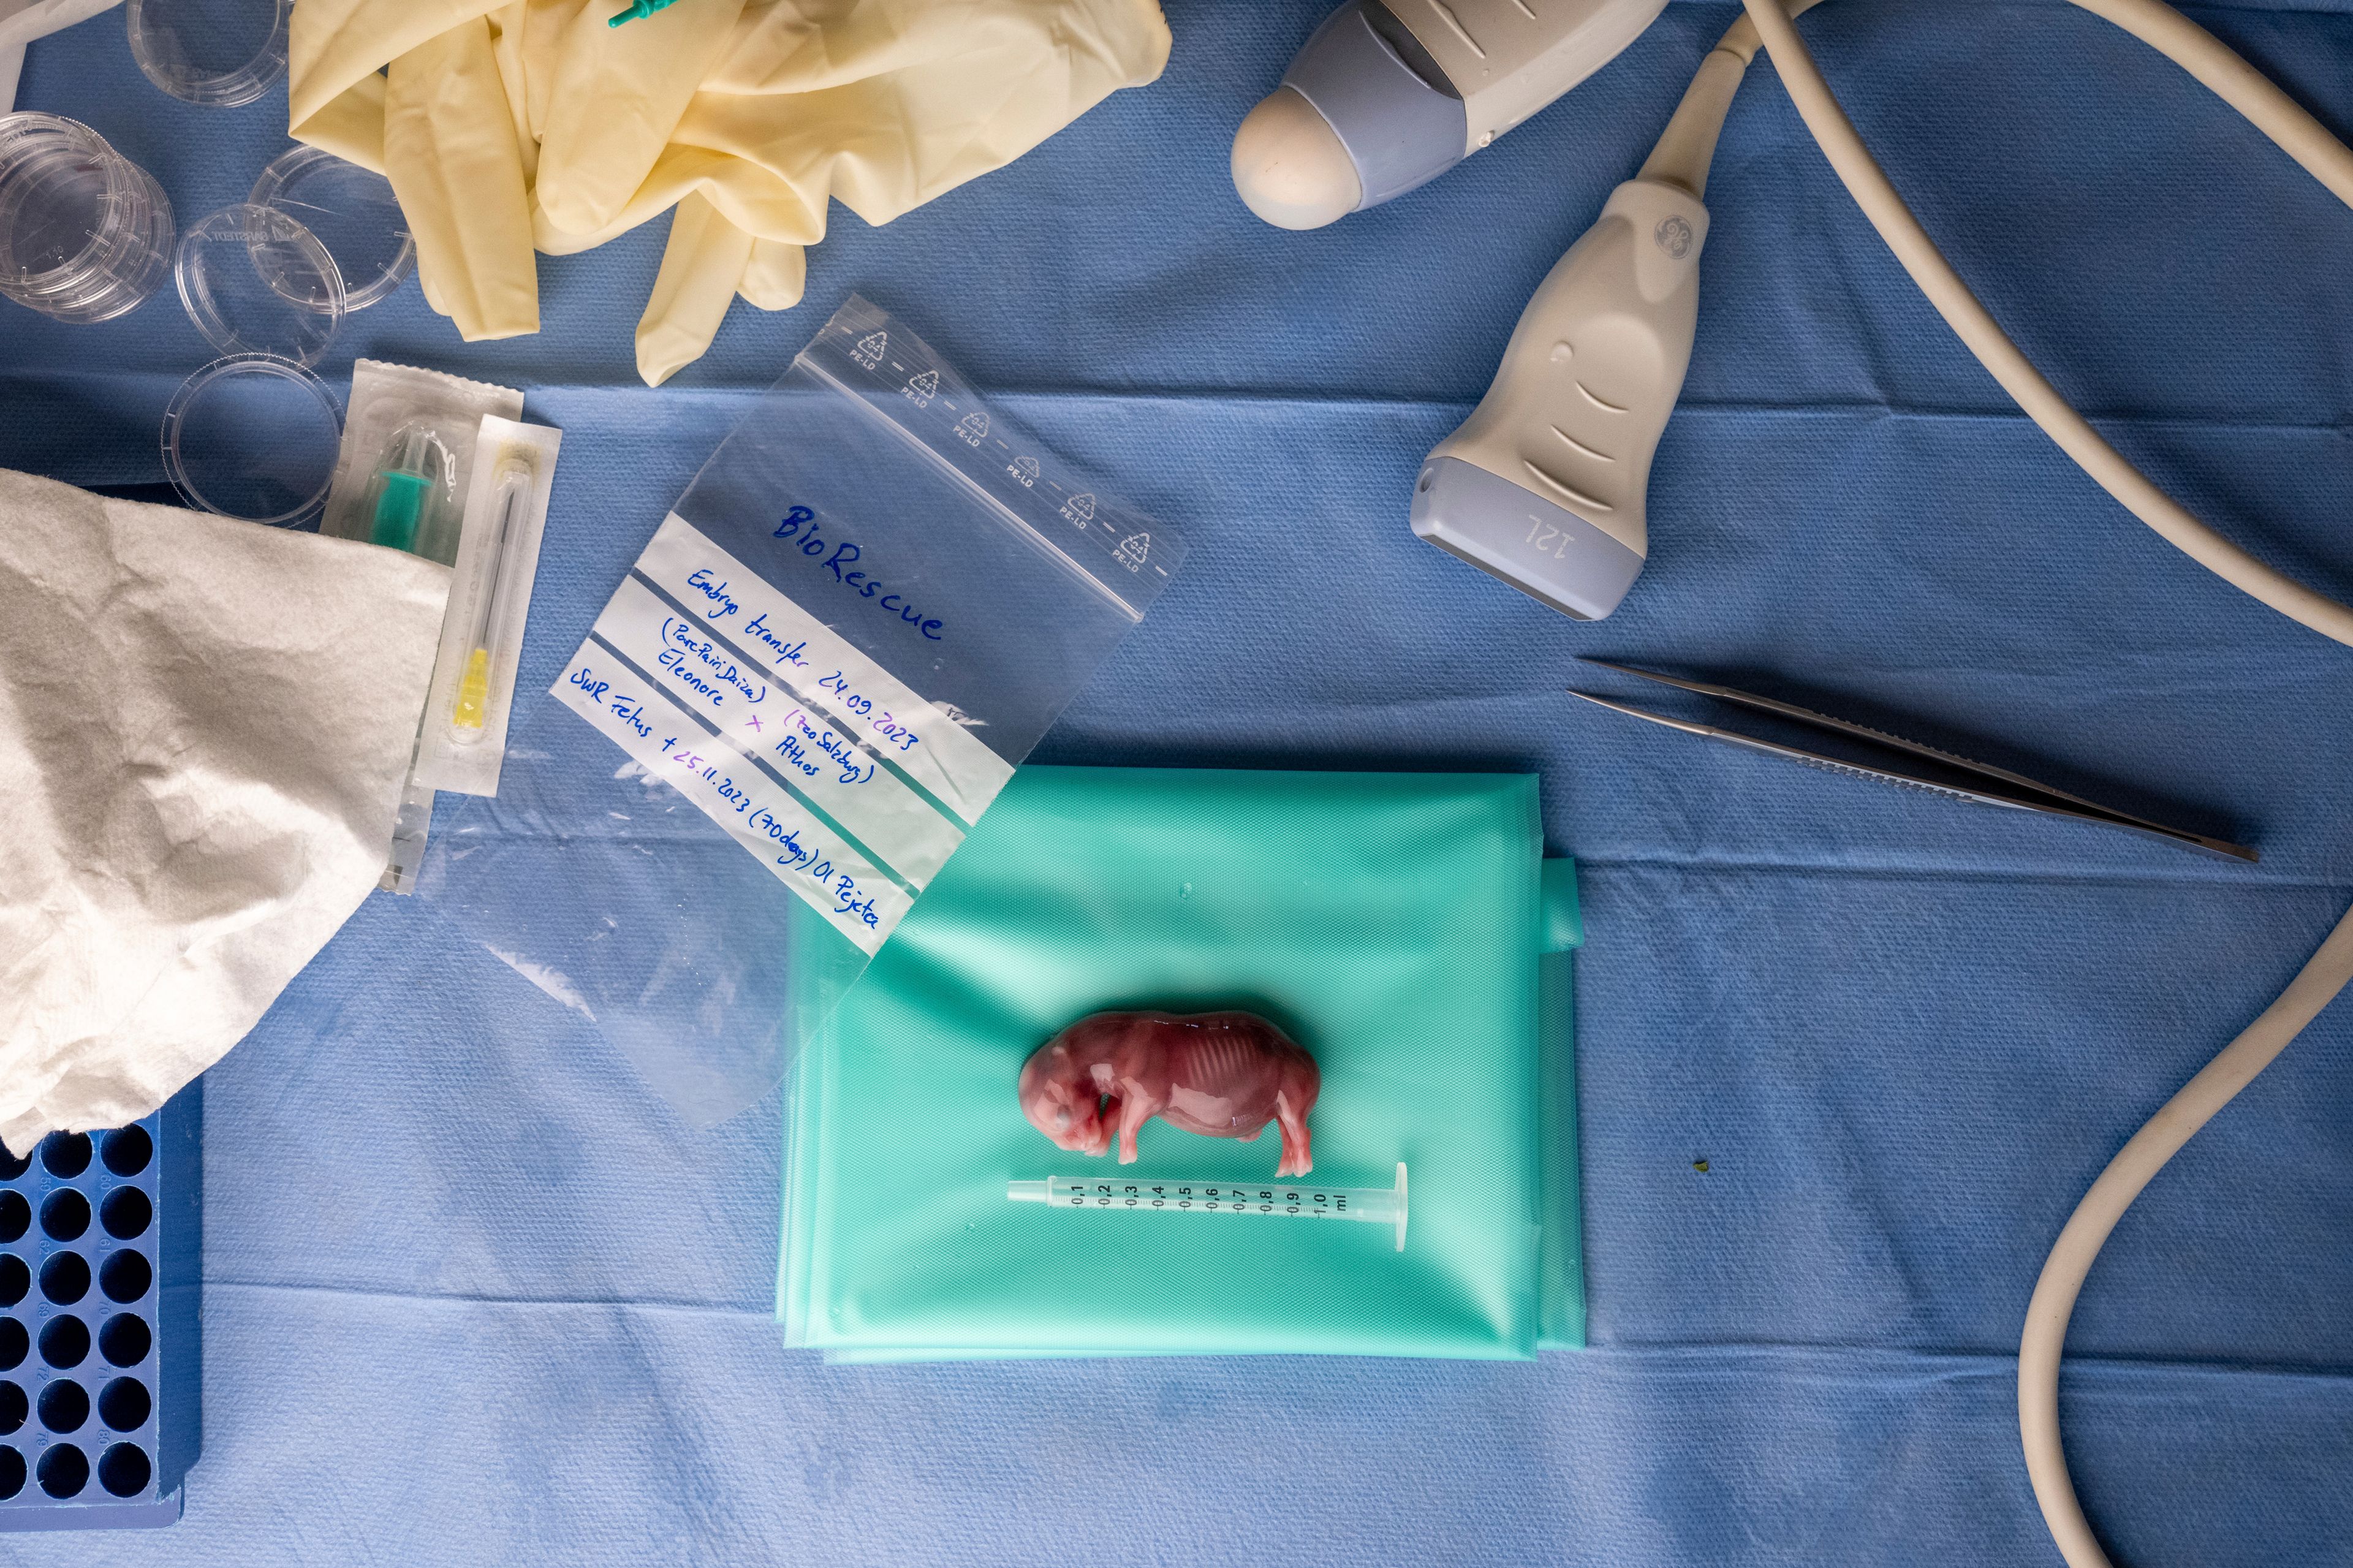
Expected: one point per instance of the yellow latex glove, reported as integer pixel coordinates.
(449, 149)
(701, 268)
(774, 275)
(882, 104)
(439, 127)
(616, 97)
(758, 111)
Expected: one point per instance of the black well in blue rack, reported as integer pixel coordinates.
(100, 1243)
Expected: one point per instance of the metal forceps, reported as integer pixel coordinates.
(1890, 759)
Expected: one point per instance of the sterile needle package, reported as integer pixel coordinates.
(464, 736)
(402, 477)
(828, 659)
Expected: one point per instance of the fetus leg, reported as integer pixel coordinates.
(1135, 1109)
(1295, 1160)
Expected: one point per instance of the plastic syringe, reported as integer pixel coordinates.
(411, 481)
(1281, 1200)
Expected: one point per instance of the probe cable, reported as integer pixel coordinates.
(1682, 154)
(2071, 1256)
(2240, 85)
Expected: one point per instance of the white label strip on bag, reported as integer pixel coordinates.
(864, 904)
(764, 720)
(850, 787)
(909, 732)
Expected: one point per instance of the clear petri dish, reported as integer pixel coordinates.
(253, 437)
(353, 213)
(257, 281)
(85, 234)
(216, 52)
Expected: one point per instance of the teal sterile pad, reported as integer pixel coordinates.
(1397, 925)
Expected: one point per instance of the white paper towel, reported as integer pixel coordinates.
(203, 728)
(22, 21)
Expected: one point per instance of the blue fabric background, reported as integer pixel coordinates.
(475, 1295)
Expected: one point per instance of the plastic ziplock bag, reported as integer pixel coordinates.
(865, 610)
(1403, 927)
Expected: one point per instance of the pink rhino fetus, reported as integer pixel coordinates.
(1223, 1075)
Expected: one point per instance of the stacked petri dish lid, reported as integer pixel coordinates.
(256, 280)
(85, 234)
(353, 213)
(218, 52)
(254, 435)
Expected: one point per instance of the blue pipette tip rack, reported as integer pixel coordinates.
(100, 1372)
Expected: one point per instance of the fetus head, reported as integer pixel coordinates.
(1061, 1099)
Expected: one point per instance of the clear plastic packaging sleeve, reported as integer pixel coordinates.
(861, 615)
(463, 743)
